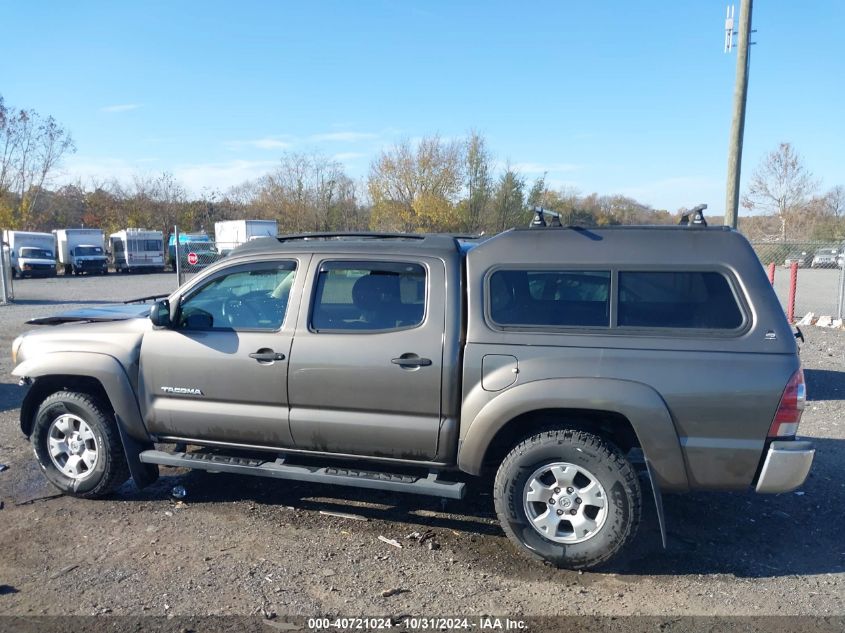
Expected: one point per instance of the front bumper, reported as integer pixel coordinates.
(91, 266)
(786, 467)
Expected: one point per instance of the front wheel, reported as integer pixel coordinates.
(568, 497)
(78, 446)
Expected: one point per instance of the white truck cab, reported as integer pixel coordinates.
(31, 254)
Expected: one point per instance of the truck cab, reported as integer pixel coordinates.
(81, 251)
(31, 254)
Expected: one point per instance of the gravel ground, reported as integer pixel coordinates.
(239, 545)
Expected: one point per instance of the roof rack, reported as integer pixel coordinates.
(539, 220)
(353, 235)
(697, 216)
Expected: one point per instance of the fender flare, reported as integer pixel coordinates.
(108, 371)
(103, 368)
(637, 402)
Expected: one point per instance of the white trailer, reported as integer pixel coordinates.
(230, 234)
(31, 254)
(82, 251)
(135, 250)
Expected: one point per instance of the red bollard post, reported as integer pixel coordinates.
(772, 273)
(793, 286)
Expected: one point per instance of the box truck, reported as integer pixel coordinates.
(81, 251)
(230, 234)
(137, 250)
(31, 254)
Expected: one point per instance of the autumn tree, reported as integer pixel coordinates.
(417, 188)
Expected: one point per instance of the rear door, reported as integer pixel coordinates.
(220, 374)
(366, 364)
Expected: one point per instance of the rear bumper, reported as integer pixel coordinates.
(786, 466)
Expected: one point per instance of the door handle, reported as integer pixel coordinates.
(411, 361)
(267, 356)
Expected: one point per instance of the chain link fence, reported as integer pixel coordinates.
(190, 253)
(819, 286)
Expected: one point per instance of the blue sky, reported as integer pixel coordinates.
(613, 97)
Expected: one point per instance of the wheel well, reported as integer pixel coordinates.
(612, 426)
(44, 387)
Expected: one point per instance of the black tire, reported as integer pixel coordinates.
(110, 470)
(583, 450)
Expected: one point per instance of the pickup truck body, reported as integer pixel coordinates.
(471, 373)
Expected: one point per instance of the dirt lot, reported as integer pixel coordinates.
(238, 545)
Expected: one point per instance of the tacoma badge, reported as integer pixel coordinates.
(183, 391)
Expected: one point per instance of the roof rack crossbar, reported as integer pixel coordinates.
(697, 218)
(539, 220)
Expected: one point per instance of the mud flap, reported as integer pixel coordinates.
(142, 474)
(658, 502)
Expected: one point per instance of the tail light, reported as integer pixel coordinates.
(790, 408)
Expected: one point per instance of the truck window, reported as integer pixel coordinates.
(694, 299)
(373, 296)
(550, 298)
(252, 297)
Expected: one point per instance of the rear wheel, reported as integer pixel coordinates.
(568, 497)
(78, 446)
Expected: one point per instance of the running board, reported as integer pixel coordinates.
(395, 482)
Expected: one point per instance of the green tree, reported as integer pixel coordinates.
(508, 202)
(479, 182)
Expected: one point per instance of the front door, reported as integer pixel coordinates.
(365, 370)
(220, 373)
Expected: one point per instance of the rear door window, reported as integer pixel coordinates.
(374, 296)
(550, 298)
(691, 299)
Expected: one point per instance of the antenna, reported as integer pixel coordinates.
(729, 28)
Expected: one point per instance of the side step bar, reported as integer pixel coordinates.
(395, 482)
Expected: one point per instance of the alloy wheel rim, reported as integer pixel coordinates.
(565, 503)
(72, 446)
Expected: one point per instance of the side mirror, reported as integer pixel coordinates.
(160, 313)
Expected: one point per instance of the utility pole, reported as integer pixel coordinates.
(740, 97)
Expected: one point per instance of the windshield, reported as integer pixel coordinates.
(826, 251)
(199, 247)
(87, 250)
(36, 253)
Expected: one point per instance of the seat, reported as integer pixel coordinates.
(378, 298)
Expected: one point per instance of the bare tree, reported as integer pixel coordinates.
(306, 192)
(31, 147)
(781, 185)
